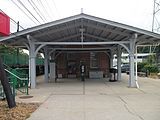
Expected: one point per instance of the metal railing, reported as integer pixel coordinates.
(18, 82)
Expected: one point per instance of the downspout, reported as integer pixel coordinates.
(136, 69)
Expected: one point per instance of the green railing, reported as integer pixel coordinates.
(20, 72)
(18, 81)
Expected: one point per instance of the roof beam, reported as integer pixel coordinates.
(56, 30)
(67, 37)
(88, 17)
(107, 30)
(98, 48)
(86, 51)
(58, 39)
(82, 43)
(120, 25)
(96, 37)
(40, 27)
(100, 38)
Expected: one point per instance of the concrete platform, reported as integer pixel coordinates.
(96, 99)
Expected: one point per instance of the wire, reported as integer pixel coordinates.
(29, 12)
(11, 19)
(23, 11)
(44, 9)
(49, 8)
(56, 8)
(36, 11)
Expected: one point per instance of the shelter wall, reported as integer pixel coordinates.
(68, 64)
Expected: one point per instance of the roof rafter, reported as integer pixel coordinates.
(68, 27)
(82, 43)
(57, 30)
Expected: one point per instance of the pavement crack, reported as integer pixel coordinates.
(128, 109)
(122, 100)
(133, 113)
(126, 106)
(142, 91)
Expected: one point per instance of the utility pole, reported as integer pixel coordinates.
(156, 16)
(17, 48)
(156, 22)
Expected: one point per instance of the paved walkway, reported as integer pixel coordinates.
(71, 99)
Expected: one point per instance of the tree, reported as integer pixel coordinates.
(6, 87)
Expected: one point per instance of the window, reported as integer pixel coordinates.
(93, 60)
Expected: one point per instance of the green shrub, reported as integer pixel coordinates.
(140, 67)
(151, 68)
(144, 66)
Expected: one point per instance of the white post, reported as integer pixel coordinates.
(136, 68)
(46, 57)
(119, 62)
(29, 72)
(32, 66)
(132, 81)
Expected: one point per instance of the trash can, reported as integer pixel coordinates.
(113, 74)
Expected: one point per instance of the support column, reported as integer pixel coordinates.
(46, 57)
(132, 81)
(32, 66)
(119, 62)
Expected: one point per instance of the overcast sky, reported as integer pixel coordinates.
(136, 13)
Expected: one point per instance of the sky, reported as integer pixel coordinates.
(137, 13)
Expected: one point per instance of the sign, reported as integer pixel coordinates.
(4, 24)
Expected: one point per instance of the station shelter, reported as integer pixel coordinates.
(81, 39)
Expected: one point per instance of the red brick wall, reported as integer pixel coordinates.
(61, 63)
(103, 63)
